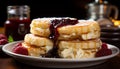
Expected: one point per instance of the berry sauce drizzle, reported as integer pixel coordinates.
(55, 24)
(59, 23)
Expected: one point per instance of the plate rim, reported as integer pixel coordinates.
(59, 59)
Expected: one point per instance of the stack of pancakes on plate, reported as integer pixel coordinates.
(67, 37)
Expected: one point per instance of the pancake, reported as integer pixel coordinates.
(83, 30)
(71, 53)
(38, 51)
(66, 37)
(79, 49)
(41, 26)
(89, 44)
(37, 41)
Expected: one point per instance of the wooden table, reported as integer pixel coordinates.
(2, 30)
(7, 62)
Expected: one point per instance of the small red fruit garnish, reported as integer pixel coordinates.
(2, 36)
(19, 49)
(16, 45)
(3, 41)
(19, 44)
(104, 51)
(104, 46)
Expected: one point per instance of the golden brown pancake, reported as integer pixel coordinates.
(83, 30)
(37, 41)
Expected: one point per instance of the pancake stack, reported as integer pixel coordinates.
(67, 37)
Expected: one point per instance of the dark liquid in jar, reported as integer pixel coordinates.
(17, 28)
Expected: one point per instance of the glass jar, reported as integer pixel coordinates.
(18, 21)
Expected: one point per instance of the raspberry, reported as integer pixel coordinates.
(3, 41)
(19, 49)
(104, 46)
(18, 44)
(2, 36)
(103, 52)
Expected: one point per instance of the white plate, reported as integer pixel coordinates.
(58, 62)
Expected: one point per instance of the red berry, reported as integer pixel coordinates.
(104, 46)
(103, 52)
(18, 44)
(20, 50)
(3, 41)
(2, 36)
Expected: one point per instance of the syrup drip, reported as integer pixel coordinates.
(55, 24)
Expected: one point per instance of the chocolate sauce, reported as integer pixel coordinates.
(55, 24)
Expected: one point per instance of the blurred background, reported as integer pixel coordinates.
(51, 8)
(99, 10)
